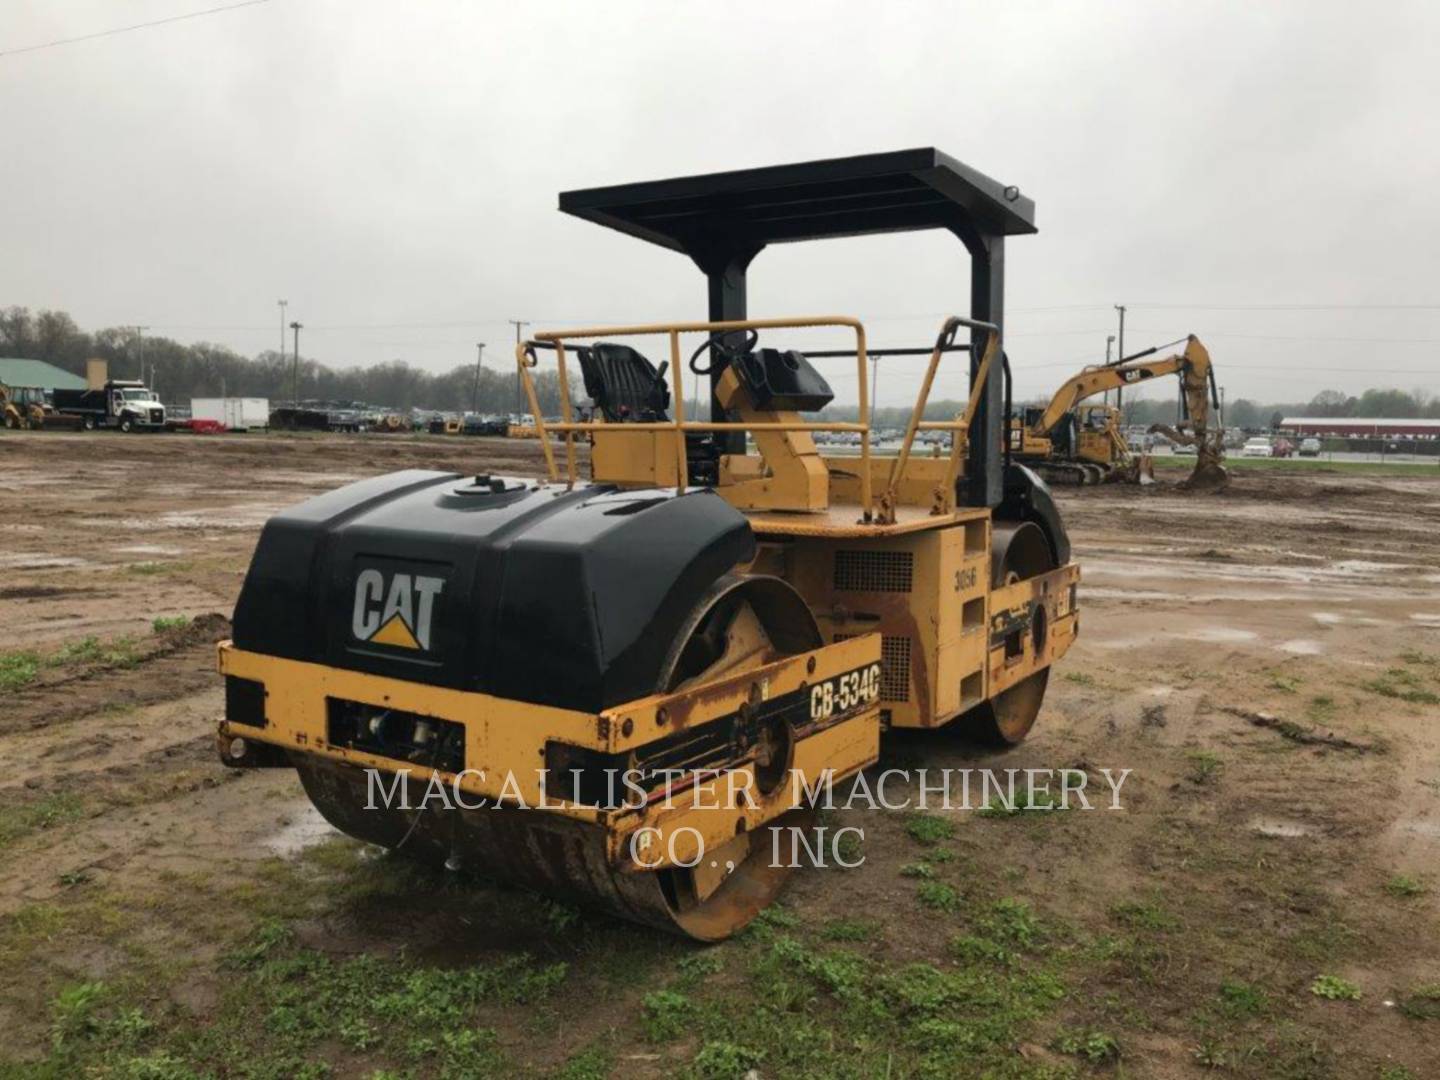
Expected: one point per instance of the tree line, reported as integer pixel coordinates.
(180, 372)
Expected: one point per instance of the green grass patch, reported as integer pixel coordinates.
(1080, 678)
(929, 829)
(150, 569)
(938, 895)
(1093, 1046)
(59, 808)
(163, 623)
(1354, 468)
(721, 1060)
(1402, 684)
(284, 1007)
(666, 1015)
(1424, 659)
(1422, 1003)
(1024, 800)
(1240, 999)
(20, 668)
(1205, 766)
(696, 967)
(1334, 988)
(1404, 887)
(1286, 684)
(807, 1010)
(851, 930)
(1144, 915)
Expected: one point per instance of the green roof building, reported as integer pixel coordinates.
(38, 373)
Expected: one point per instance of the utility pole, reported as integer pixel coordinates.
(1119, 394)
(295, 369)
(475, 389)
(283, 304)
(519, 325)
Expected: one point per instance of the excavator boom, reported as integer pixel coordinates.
(1197, 383)
(1193, 367)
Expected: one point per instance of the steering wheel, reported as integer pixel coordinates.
(730, 352)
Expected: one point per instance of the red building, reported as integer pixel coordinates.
(1361, 427)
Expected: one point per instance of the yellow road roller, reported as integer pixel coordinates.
(620, 684)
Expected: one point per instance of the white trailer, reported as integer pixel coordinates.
(236, 413)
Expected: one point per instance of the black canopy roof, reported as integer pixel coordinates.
(871, 193)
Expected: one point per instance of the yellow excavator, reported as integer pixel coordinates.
(1070, 442)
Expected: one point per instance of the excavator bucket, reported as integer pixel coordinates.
(1208, 474)
(1145, 470)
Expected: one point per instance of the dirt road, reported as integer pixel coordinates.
(1265, 661)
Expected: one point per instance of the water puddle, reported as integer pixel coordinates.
(1220, 635)
(306, 829)
(1426, 618)
(151, 549)
(1100, 592)
(1362, 566)
(40, 561)
(1428, 829)
(305, 479)
(1301, 647)
(244, 516)
(1215, 635)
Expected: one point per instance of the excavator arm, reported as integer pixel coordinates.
(1197, 381)
(1193, 367)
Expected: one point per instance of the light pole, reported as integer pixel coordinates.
(475, 389)
(874, 386)
(1109, 340)
(295, 376)
(140, 338)
(1119, 394)
(519, 325)
(283, 304)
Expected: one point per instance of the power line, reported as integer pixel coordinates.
(127, 29)
(1292, 307)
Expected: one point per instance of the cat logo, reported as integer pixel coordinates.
(398, 615)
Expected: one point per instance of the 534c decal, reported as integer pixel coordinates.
(842, 693)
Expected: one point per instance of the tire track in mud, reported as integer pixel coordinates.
(180, 663)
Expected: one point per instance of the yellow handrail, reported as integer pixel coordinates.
(526, 359)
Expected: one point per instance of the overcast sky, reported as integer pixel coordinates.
(391, 169)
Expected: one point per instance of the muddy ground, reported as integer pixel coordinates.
(1266, 903)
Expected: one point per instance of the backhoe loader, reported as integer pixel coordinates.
(1069, 442)
(636, 680)
(22, 407)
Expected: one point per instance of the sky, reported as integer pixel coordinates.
(1262, 175)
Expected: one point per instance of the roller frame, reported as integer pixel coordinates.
(508, 737)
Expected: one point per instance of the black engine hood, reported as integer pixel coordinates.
(537, 594)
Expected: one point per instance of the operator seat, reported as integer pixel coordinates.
(627, 388)
(624, 385)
